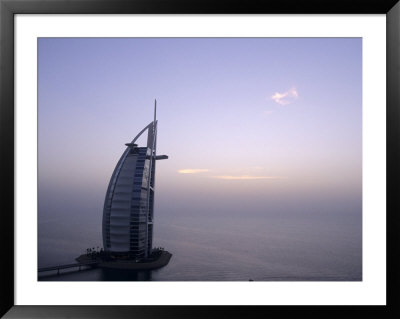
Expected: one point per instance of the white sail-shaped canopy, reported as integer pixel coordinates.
(129, 202)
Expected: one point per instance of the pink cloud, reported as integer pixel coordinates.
(285, 98)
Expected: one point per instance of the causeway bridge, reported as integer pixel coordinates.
(89, 264)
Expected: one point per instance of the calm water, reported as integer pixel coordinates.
(293, 246)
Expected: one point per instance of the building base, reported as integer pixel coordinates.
(126, 264)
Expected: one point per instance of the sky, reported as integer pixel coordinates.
(250, 125)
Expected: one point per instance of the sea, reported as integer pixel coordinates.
(295, 246)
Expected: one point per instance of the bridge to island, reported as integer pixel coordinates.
(67, 266)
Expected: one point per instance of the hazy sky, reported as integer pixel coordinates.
(246, 123)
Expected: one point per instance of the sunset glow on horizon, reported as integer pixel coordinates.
(193, 170)
(247, 177)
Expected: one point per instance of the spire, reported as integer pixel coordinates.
(155, 110)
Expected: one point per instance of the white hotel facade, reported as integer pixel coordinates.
(129, 203)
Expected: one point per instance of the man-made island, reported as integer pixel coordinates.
(159, 258)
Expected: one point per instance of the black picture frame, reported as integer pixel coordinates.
(8, 8)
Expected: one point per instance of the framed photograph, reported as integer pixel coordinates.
(274, 133)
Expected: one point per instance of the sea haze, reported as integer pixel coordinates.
(303, 242)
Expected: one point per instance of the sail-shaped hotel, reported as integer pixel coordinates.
(129, 202)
